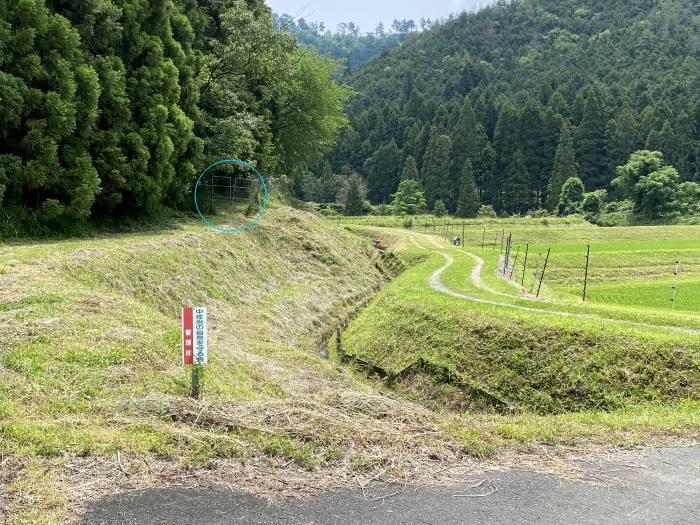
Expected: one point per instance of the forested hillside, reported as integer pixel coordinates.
(348, 44)
(523, 95)
(112, 107)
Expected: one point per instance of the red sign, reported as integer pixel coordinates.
(188, 336)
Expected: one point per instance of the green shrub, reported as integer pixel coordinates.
(487, 211)
(439, 210)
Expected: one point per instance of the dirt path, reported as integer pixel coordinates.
(436, 283)
(476, 270)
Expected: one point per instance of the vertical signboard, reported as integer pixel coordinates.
(194, 336)
(200, 336)
(187, 336)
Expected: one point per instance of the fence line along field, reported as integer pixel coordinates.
(457, 319)
(638, 267)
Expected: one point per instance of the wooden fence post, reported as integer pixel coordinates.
(196, 381)
(515, 262)
(527, 250)
(539, 288)
(675, 284)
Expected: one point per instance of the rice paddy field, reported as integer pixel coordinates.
(506, 343)
(637, 267)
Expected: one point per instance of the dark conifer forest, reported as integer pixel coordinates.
(531, 93)
(111, 108)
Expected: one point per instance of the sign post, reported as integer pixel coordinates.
(194, 344)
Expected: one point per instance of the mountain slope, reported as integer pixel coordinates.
(347, 44)
(502, 82)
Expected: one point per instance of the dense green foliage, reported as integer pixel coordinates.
(410, 171)
(439, 210)
(353, 195)
(654, 187)
(468, 205)
(409, 199)
(571, 197)
(383, 170)
(532, 94)
(112, 107)
(564, 167)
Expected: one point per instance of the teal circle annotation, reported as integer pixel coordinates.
(262, 211)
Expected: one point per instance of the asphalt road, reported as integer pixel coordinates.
(661, 487)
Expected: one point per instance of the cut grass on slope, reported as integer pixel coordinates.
(90, 337)
(93, 397)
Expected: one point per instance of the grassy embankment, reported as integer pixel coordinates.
(564, 373)
(93, 398)
(90, 369)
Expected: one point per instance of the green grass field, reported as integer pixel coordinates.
(507, 351)
(90, 362)
(654, 295)
(91, 383)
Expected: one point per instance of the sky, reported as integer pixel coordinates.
(368, 13)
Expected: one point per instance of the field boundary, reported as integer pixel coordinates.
(437, 285)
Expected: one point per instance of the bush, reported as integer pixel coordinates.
(687, 199)
(381, 210)
(439, 210)
(616, 213)
(649, 183)
(329, 211)
(571, 198)
(487, 211)
(593, 202)
(50, 210)
(619, 206)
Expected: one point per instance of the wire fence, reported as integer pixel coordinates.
(516, 268)
(226, 192)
